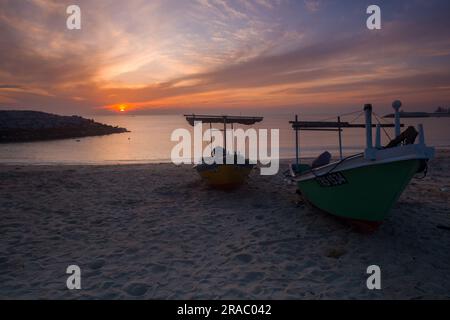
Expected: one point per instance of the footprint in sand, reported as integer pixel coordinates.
(95, 265)
(136, 289)
(159, 269)
(243, 258)
(107, 285)
(253, 276)
(335, 253)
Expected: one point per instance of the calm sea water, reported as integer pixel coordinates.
(149, 141)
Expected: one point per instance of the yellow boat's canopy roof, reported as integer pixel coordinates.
(191, 118)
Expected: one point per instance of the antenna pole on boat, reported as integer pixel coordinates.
(378, 137)
(297, 161)
(340, 137)
(421, 135)
(370, 151)
(396, 105)
(368, 111)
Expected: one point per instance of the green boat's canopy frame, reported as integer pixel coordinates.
(340, 125)
(223, 119)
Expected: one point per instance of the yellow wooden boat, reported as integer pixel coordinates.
(224, 175)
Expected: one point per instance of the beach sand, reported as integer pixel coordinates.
(157, 232)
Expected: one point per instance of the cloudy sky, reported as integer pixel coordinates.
(167, 55)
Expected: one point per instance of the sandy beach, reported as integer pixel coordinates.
(157, 232)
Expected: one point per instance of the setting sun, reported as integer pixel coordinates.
(120, 107)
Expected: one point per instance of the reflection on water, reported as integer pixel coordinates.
(149, 141)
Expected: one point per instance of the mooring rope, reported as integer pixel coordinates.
(384, 130)
(336, 165)
(357, 117)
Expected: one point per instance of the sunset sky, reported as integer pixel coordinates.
(217, 55)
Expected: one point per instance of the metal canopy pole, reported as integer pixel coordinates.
(232, 137)
(225, 135)
(210, 137)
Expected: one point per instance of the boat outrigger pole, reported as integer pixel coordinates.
(369, 153)
(368, 113)
(396, 105)
(297, 161)
(340, 137)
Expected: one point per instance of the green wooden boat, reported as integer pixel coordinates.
(363, 187)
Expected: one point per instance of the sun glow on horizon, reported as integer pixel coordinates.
(120, 107)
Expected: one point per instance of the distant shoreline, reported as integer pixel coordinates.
(420, 115)
(31, 126)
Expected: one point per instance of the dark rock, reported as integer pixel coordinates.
(25, 126)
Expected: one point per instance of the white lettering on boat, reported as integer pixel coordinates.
(331, 179)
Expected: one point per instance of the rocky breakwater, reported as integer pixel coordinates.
(25, 126)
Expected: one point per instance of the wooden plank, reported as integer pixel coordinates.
(318, 129)
(223, 119)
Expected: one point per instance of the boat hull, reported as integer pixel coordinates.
(224, 176)
(365, 193)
